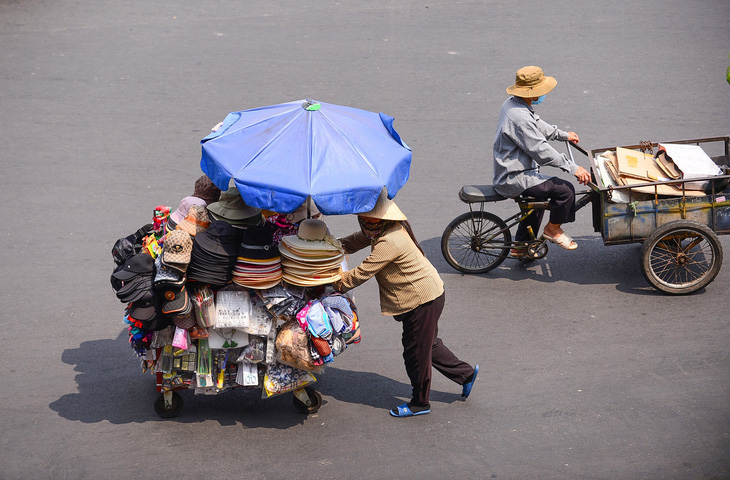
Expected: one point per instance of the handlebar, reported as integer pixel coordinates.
(575, 145)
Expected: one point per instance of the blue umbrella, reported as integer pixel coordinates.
(341, 157)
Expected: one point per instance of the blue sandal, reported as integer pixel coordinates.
(405, 411)
(466, 388)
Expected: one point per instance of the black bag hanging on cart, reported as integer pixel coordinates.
(126, 247)
(130, 245)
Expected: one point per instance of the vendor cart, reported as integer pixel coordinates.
(327, 158)
(170, 403)
(681, 251)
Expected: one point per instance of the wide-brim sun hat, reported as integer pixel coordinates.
(311, 281)
(312, 235)
(231, 206)
(531, 82)
(385, 209)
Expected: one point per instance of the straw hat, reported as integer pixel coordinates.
(312, 235)
(531, 82)
(385, 209)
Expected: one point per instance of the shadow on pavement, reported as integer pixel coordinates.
(592, 264)
(375, 390)
(112, 388)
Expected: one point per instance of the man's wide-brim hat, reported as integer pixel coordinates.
(385, 209)
(531, 82)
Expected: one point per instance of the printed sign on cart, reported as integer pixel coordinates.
(233, 309)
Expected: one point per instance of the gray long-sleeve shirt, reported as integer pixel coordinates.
(521, 147)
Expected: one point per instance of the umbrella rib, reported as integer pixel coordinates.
(364, 158)
(274, 137)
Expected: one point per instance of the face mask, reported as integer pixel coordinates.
(373, 230)
(539, 100)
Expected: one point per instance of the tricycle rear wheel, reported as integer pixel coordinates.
(681, 257)
(476, 242)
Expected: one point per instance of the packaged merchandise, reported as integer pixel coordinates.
(217, 299)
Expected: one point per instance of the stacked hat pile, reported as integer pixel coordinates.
(214, 255)
(259, 263)
(177, 248)
(133, 282)
(231, 209)
(171, 267)
(312, 257)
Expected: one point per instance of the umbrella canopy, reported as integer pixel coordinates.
(279, 155)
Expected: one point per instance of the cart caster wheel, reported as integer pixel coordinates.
(169, 408)
(536, 250)
(307, 400)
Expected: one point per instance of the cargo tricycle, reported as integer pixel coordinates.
(681, 251)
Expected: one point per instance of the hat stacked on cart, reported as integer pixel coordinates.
(176, 250)
(206, 190)
(134, 279)
(182, 210)
(311, 257)
(148, 313)
(165, 275)
(232, 209)
(215, 251)
(195, 221)
(259, 264)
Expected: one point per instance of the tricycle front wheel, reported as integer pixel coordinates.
(476, 242)
(681, 257)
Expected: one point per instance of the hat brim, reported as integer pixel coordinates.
(235, 214)
(310, 281)
(530, 92)
(296, 243)
(257, 286)
(385, 209)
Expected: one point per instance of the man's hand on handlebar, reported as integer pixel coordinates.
(573, 137)
(582, 175)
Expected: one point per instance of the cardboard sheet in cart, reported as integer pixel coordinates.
(692, 161)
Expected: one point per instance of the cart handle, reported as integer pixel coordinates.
(574, 145)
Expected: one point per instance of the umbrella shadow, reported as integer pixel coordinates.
(111, 387)
(592, 263)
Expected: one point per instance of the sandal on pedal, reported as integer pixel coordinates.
(405, 411)
(562, 240)
(517, 253)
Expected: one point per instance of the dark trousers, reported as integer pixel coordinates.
(561, 194)
(422, 349)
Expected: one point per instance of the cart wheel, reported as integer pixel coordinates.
(681, 257)
(170, 408)
(311, 401)
(476, 242)
(536, 250)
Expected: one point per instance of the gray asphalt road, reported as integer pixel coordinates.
(586, 371)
